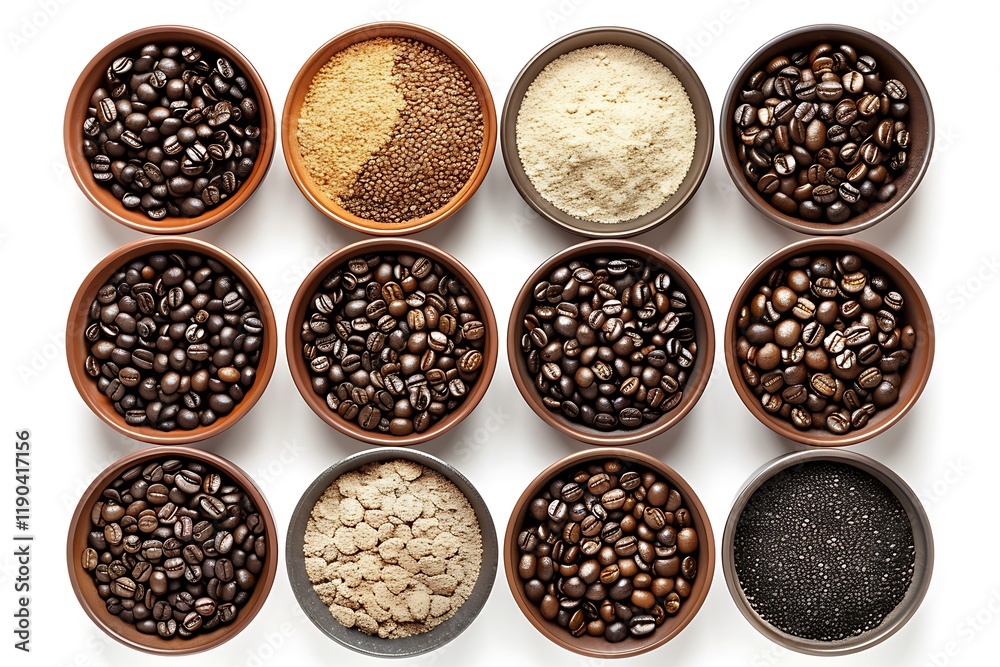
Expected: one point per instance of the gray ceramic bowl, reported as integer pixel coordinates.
(922, 540)
(355, 639)
(651, 46)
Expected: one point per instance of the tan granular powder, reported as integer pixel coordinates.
(393, 549)
(349, 113)
(606, 133)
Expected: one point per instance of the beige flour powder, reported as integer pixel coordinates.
(606, 133)
(393, 548)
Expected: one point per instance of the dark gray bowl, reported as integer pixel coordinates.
(353, 638)
(652, 47)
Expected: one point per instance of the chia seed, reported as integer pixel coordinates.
(824, 551)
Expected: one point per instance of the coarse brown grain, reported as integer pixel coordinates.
(435, 144)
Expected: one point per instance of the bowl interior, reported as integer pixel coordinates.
(353, 638)
(598, 647)
(699, 372)
(86, 590)
(891, 64)
(300, 87)
(923, 556)
(299, 368)
(77, 347)
(916, 312)
(656, 49)
(93, 76)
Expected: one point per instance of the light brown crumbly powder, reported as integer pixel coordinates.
(393, 549)
(606, 133)
(349, 113)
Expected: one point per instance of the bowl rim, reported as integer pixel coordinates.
(695, 387)
(303, 80)
(815, 437)
(727, 137)
(139, 221)
(79, 521)
(302, 588)
(79, 314)
(704, 122)
(922, 537)
(706, 543)
(301, 377)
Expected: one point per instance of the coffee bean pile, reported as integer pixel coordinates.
(610, 342)
(393, 341)
(823, 342)
(175, 341)
(821, 135)
(824, 551)
(175, 548)
(608, 550)
(171, 134)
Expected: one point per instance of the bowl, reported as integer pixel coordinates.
(296, 96)
(922, 539)
(77, 348)
(86, 591)
(892, 64)
(914, 377)
(698, 375)
(598, 647)
(93, 76)
(654, 48)
(352, 638)
(300, 369)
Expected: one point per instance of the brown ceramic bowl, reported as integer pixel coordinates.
(698, 374)
(891, 64)
(93, 76)
(300, 369)
(654, 48)
(923, 554)
(77, 347)
(86, 590)
(297, 93)
(598, 647)
(917, 313)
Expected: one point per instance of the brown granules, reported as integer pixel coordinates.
(393, 548)
(411, 168)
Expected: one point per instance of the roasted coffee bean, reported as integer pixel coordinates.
(829, 117)
(157, 120)
(629, 568)
(199, 332)
(152, 583)
(846, 332)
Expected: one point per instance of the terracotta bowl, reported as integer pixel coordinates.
(300, 369)
(86, 590)
(93, 76)
(923, 558)
(917, 313)
(300, 87)
(598, 647)
(77, 347)
(654, 48)
(891, 64)
(698, 374)
(352, 638)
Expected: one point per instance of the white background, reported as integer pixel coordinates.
(946, 235)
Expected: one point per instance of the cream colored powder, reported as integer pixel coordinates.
(393, 549)
(349, 113)
(606, 133)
